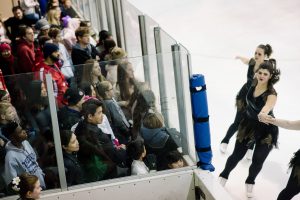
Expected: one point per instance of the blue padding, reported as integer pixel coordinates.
(202, 138)
(201, 127)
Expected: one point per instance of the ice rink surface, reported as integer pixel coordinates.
(215, 32)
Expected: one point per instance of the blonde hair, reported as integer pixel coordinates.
(51, 16)
(4, 106)
(153, 120)
(102, 88)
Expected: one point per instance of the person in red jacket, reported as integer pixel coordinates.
(51, 55)
(25, 51)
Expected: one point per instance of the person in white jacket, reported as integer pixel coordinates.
(29, 8)
(67, 67)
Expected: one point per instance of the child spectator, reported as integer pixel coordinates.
(174, 160)
(137, 151)
(20, 156)
(156, 137)
(27, 185)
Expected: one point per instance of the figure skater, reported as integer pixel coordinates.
(261, 99)
(262, 52)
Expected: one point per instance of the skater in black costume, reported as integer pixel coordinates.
(261, 99)
(293, 185)
(262, 52)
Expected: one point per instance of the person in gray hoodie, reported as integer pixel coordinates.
(20, 156)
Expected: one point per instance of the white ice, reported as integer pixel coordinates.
(215, 32)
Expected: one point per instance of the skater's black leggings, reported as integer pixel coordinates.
(234, 127)
(292, 188)
(260, 154)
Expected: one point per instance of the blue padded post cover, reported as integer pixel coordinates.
(201, 121)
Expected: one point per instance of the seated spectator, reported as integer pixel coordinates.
(12, 24)
(156, 137)
(88, 25)
(3, 187)
(137, 151)
(29, 8)
(27, 185)
(174, 160)
(115, 57)
(43, 27)
(71, 114)
(20, 156)
(67, 65)
(108, 45)
(67, 9)
(119, 123)
(70, 147)
(145, 101)
(126, 90)
(90, 73)
(95, 161)
(103, 35)
(4, 96)
(51, 55)
(83, 50)
(25, 51)
(53, 17)
(68, 33)
(38, 111)
(39, 55)
(6, 60)
(3, 36)
(53, 3)
(8, 114)
(88, 89)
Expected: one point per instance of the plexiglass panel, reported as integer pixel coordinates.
(26, 138)
(131, 28)
(168, 71)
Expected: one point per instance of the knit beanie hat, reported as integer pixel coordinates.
(73, 95)
(42, 24)
(49, 48)
(4, 47)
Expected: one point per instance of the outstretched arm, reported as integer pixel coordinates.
(269, 105)
(287, 124)
(243, 59)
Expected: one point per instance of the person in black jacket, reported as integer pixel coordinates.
(83, 50)
(69, 115)
(97, 153)
(70, 147)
